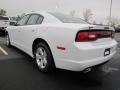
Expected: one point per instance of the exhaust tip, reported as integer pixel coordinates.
(87, 70)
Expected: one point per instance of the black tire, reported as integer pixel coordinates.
(50, 65)
(8, 40)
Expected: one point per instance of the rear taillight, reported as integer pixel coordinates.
(85, 36)
(93, 35)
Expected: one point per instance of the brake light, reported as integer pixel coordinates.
(93, 35)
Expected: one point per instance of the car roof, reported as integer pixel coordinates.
(38, 12)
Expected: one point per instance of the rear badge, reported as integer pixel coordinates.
(107, 52)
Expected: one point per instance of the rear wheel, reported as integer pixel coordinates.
(43, 57)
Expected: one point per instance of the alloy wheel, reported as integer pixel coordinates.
(41, 57)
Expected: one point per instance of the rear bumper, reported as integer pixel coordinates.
(82, 65)
(82, 56)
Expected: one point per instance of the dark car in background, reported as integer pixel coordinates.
(4, 23)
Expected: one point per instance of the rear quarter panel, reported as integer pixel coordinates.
(58, 36)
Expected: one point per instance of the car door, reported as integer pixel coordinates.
(17, 31)
(30, 31)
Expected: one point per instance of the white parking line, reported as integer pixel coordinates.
(4, 52)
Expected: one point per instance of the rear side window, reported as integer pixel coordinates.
(23, 20)
(33, 19)
(4, 18)
(40, 20)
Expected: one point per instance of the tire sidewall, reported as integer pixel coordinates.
(8, 40)
(50, 63)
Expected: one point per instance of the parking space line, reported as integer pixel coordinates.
(4, 52)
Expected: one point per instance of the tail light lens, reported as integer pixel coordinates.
(93, 35)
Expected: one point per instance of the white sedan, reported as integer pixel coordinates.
(56, 40)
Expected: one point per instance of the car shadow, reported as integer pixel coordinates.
(68, 78)
(90, 79)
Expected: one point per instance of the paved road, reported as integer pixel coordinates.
(19, 72)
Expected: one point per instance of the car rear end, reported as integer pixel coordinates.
(79, 45)
(92, 46)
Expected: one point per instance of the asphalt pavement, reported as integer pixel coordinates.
(19, 72)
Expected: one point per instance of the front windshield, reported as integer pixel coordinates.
(68, 19)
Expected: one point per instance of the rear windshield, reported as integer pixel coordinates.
(68, 19)
(4, 18)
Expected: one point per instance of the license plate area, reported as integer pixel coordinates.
(107, 52)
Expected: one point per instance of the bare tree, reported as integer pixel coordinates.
(87, 15)
(113, 21)
(94, 22)
(2, 12)
(19, 17)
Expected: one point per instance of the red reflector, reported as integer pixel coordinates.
(61, 48)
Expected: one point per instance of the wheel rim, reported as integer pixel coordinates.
(7, 40)
(41, 57)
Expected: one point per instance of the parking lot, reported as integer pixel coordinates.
(19, 72)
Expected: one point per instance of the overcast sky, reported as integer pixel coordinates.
(100, 8)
